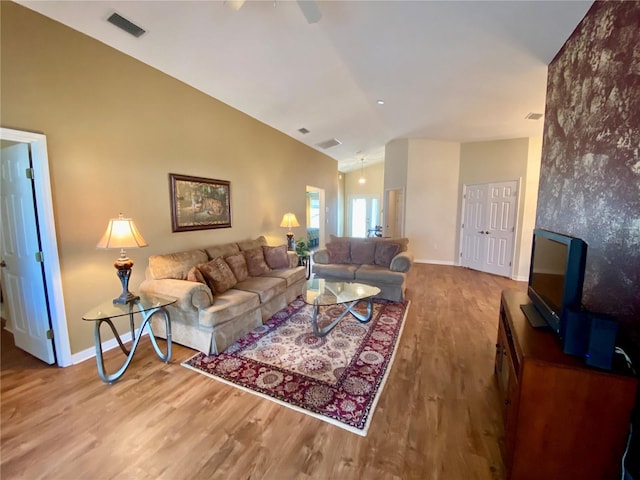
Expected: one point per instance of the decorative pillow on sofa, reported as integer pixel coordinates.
(385, 251)
(251, 244)
(238, 266)
(255, 262)
(338, 252)
(276, 257)
(218, 275)
(195, 275)
(363, 253)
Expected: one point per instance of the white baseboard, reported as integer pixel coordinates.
(435, 262)
(106, 346)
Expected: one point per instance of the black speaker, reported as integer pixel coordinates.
(575, 332)
(602, 340)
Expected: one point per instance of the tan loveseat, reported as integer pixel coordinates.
(223, 291)
(380, 262)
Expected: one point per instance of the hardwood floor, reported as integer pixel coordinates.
(438, 416)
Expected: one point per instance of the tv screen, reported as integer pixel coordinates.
(556, 276)
(549, 270)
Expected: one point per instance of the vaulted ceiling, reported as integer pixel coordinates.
(446, 70)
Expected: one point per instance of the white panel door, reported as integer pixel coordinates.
(473, 227)
(488, 227)
(502, 204)
(22, 275)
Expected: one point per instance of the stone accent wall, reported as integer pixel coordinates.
(590, 172)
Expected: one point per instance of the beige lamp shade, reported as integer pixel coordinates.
(121, 233)
(289, 220)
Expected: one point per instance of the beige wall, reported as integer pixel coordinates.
(115, 129)
(504, 160)
(431, 201)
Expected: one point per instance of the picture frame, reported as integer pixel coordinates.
(199, 203)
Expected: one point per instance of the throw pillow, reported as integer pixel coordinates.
(218, 275)
(195, 275)
(255, 262)
(251, 244)
(338, 252)
(276, 257)
(238, 266)
(363, 253)
(385, 252)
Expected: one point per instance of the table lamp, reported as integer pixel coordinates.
(289, 220)
(122, 233)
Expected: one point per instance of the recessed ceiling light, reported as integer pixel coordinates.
(380, 102)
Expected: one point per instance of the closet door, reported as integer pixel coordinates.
(488, 229)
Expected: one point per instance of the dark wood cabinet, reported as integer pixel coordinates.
(563, 419)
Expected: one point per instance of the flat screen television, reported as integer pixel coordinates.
(556, 276)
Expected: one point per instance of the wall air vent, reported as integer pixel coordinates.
(332, 142)
(129, 27)
(303, 131)
(534, 116)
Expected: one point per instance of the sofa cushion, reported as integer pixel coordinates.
(255, 261)
(228, 306)
(339, 252)
(373, 274)
(276, 257)
(363, 252)
(238, 265)
(402, 241)
(385, 251)
(218, 275)
(251, 244)
(342, 272)
(289, 275)
(175, 265)
(224, 250)
(265, 287)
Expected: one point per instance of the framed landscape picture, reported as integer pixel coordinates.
(199, 203)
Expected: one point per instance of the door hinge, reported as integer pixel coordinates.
(39, 257)
(463, 225)
(509, 263)
(29, 173)
(49, 334)
(460, 254)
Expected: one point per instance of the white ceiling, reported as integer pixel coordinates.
(447, 70)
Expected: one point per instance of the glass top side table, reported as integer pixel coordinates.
(146, 306)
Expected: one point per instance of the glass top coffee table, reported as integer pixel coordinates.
(323, 293)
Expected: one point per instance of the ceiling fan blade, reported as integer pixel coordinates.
(310, 10)
(234, 4)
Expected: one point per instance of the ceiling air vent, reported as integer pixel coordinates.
(303, 131)
(534, 116)
(332, 142)
(129, 27)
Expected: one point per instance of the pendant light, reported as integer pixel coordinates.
(362, 180)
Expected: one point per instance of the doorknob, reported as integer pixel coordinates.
(3, 264)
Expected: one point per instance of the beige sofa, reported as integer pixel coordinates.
(223, 291)
(380, 262)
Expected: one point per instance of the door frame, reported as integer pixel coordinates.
(46, 222)
(323, 217)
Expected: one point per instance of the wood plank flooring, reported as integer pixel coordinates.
(438, 416)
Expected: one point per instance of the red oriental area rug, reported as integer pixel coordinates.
(337, 378)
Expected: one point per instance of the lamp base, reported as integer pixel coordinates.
(291, 242)
(123, 266)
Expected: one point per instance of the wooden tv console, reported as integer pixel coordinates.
(563, 419)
